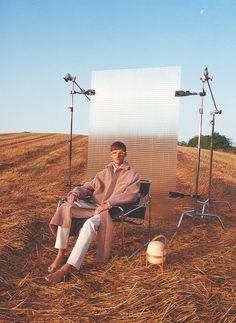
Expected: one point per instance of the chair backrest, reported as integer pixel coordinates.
(138, 211)
(144, 187)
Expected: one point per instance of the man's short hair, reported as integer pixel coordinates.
(118, 145)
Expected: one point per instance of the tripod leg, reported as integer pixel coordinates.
(188, 213)
(204, 204)
(219, 219)
(223, 227)
(180, 220)
(215, 216)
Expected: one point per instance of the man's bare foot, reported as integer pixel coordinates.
(58, 276)
(56, 263)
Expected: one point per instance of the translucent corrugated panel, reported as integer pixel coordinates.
(138, 107)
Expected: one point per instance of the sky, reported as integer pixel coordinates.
(43, 40)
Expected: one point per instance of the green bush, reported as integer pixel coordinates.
(219, 142)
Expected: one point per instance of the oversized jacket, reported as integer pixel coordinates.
(117, 188)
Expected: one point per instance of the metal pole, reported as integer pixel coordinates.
(199, 143)
(216, 111)
(88, 92)
(71, 131)
(211, 155)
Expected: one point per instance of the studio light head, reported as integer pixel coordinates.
(68, 77)
(184, 93)
(89, 92)
(181, 93)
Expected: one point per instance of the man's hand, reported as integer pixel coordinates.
(71, 197)
(103, 207)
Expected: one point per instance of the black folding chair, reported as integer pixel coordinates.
(134, 214)
(128, 214)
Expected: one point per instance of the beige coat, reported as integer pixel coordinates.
(117, 188)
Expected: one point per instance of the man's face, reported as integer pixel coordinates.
(118, 156)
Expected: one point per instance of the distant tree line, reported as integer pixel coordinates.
(219, 142)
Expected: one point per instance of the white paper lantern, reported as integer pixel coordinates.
(157, 251)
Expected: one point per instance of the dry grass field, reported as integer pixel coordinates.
(199, 280)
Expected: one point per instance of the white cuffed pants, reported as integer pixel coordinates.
(85, 237)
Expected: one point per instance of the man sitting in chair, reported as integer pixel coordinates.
(117, 184)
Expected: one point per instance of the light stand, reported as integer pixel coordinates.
(86, 93)
(209, 201)
(201, 94)
(195, 212)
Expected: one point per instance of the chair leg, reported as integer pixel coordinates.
(122, 235)
(149, 219)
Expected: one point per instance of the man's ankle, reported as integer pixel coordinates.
(66, 268)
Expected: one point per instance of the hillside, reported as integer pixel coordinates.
(198, 283)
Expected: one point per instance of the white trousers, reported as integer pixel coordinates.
(85, 237)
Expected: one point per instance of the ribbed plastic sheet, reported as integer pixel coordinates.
(138, 107)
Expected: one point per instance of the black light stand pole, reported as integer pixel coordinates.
(211, 154)
(212, 146)
(202, 94)
(71, 108)
(86, 93)
(216, 111)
